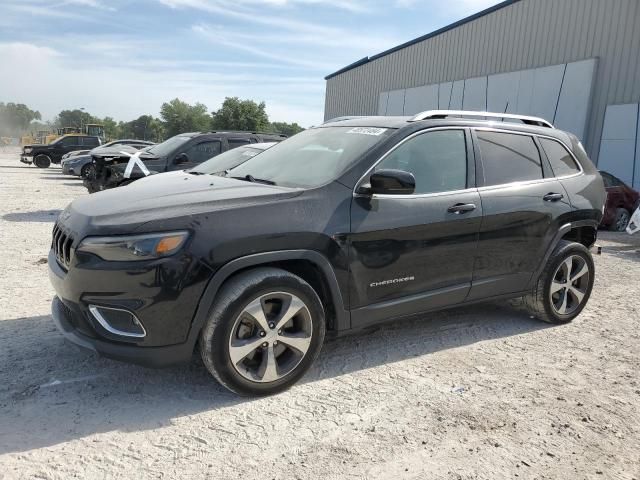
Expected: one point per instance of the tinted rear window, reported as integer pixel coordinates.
(561, 160)
(509, 158)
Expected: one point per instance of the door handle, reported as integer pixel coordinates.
(553, 197)
(459, 208)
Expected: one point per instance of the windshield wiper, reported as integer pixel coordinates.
(194, 172)
(251, 178)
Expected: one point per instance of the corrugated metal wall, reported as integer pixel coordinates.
(525, 34)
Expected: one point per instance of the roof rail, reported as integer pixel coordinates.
(340, 119)
(435, 114)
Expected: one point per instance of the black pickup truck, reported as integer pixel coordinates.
(180, 152)
(44, 155)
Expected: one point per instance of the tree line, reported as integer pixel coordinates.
(176, 116)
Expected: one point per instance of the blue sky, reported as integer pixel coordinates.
(124, 58)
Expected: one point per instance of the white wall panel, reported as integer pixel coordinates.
(475, 94)
(395, 105)
(573, 104)
(525, 91)
(444, 95)
(419, 99)
(382, 103)
(457, 92)
(502, 92)
(619, 143)
(546, 90)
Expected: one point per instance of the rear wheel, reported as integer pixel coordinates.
(564, 286)
(621, 220)
(265, 331)
(42, 161)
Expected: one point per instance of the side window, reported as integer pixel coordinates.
(203, 151)
(508, 158)
(606, 178)
(437, 159)
(561, 161)
(70, 141)
(237, 142)
(90, 141)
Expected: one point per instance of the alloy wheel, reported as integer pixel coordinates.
(270, 337)
(569, 285)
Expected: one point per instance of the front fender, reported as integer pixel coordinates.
(343, 319)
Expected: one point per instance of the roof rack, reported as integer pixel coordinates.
(341, 119)
(437, 114)
(254, 132)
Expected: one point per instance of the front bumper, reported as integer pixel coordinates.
(66, 169)
(155, 292)
(155, 357)
(25, 159)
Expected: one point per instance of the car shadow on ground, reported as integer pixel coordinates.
(52, 391)
(35, 216)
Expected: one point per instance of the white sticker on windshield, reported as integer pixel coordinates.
(368, 131)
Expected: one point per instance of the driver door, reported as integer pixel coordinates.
(412, 253)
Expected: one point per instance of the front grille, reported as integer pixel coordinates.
(61, 246)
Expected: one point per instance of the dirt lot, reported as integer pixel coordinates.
(482, 392)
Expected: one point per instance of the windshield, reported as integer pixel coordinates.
(166, 147)
(226, 160)
(313, 157)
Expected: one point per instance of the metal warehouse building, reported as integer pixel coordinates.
(573, 62)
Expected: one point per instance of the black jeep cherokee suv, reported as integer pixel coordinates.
(180, 152)
(44, 155)
(340, 227)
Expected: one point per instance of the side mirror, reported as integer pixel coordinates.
(181, 158)
(389, 182)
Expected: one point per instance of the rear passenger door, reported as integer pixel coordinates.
(523, 206)
(237, 142)
(196, 153)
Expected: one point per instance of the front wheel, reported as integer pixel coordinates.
(42, 161)
(88, 171)
(564, 286)
(265, 331)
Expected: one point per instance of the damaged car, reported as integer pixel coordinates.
(117, 167)
(81, 165)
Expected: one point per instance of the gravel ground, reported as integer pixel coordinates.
(482, 392)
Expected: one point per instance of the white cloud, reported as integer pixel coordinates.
(126, 92)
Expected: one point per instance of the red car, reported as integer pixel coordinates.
(622, 201)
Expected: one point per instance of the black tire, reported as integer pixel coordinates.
(88, 171)
(621, 220)
(540, 302)
(42, 161)
(218, 333)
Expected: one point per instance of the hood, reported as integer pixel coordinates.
(170, 195)
(116, 152)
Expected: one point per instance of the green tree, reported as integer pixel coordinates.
(15, 118)
(180, 117)
(75, 118)
(236, 114)
(110, 128)
(289, 129)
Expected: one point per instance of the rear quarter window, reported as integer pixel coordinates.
(562, 163)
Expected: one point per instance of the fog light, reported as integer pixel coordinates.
(118, 321)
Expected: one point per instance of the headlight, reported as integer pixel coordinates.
(135, 247)
(28, 150)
